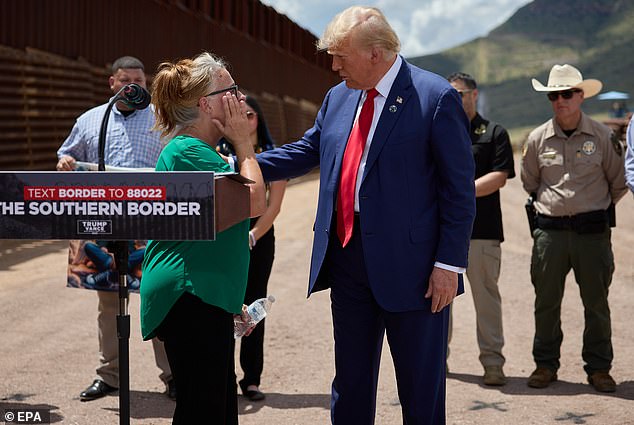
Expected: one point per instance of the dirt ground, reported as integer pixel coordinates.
(48, 339)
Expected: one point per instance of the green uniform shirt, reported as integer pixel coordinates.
(214, 271)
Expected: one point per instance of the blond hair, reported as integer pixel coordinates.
(368, 23)
(177, 87)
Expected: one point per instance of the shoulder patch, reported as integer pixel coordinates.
(616, 144)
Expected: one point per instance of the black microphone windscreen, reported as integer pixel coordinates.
(135, 96)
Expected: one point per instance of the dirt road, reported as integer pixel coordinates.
(48, 341)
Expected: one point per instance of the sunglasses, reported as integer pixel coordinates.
(565, 94)
(233, 89)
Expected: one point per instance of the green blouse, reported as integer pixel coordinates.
(214, 271)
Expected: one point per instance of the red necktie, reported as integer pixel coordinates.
(350, 167)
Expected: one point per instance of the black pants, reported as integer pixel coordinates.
(252, 346)
(199, 345)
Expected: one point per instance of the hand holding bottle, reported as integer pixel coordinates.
(241, 323)
(244, 323)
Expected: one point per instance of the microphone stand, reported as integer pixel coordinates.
(104, 128)
(121, 269)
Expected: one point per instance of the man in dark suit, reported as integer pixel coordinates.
(396, 206)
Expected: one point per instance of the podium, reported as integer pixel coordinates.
(231, 201)
(121, 206)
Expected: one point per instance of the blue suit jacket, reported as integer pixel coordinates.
(417, 196)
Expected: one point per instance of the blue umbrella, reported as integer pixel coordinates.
(614, 95)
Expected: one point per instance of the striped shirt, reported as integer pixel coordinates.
(130, 141)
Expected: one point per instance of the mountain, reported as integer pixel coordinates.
(596, 36)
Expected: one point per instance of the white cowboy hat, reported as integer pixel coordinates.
(566, 77)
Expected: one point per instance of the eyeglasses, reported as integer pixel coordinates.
(566, 94)
(463, 92)
(233, 89)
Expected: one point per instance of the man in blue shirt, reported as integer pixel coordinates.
(130, 142)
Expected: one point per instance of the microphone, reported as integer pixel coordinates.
(135, 96)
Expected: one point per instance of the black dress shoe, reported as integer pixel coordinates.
(254, 395)
(97, 390)
(171, 389)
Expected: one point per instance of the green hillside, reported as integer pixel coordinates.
(597, 36)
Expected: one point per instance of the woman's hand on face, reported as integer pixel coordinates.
(236, 125)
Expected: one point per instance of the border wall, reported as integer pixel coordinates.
(55, 57)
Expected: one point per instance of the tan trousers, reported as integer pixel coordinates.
(108, 370)
(483, 273)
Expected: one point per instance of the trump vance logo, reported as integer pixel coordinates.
(94, 227)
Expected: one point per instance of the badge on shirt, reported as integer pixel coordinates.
(589, 147)
(550, 158)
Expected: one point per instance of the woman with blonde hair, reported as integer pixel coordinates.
(192, 289)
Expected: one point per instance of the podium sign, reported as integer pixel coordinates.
(119, 205)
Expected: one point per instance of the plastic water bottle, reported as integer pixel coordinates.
(257, 311)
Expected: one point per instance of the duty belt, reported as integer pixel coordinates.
(588, 222)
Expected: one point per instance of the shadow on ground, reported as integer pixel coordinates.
(16, 251)
(149, 404)
(284, 401)
(517, 386)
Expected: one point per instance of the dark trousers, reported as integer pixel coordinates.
(252, 346)
(199, 345)
(555, 252)
(417, 339)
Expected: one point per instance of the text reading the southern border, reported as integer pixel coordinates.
(92, 208)
(94, 193)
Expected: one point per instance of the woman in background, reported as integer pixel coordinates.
(192, 289)
(262, 244)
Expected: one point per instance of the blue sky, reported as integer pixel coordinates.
(424, 26)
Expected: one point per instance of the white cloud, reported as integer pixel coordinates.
(424, 26)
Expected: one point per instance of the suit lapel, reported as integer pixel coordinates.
(395, 103)
(345, 118)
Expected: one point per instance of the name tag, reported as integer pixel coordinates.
(551, 158)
